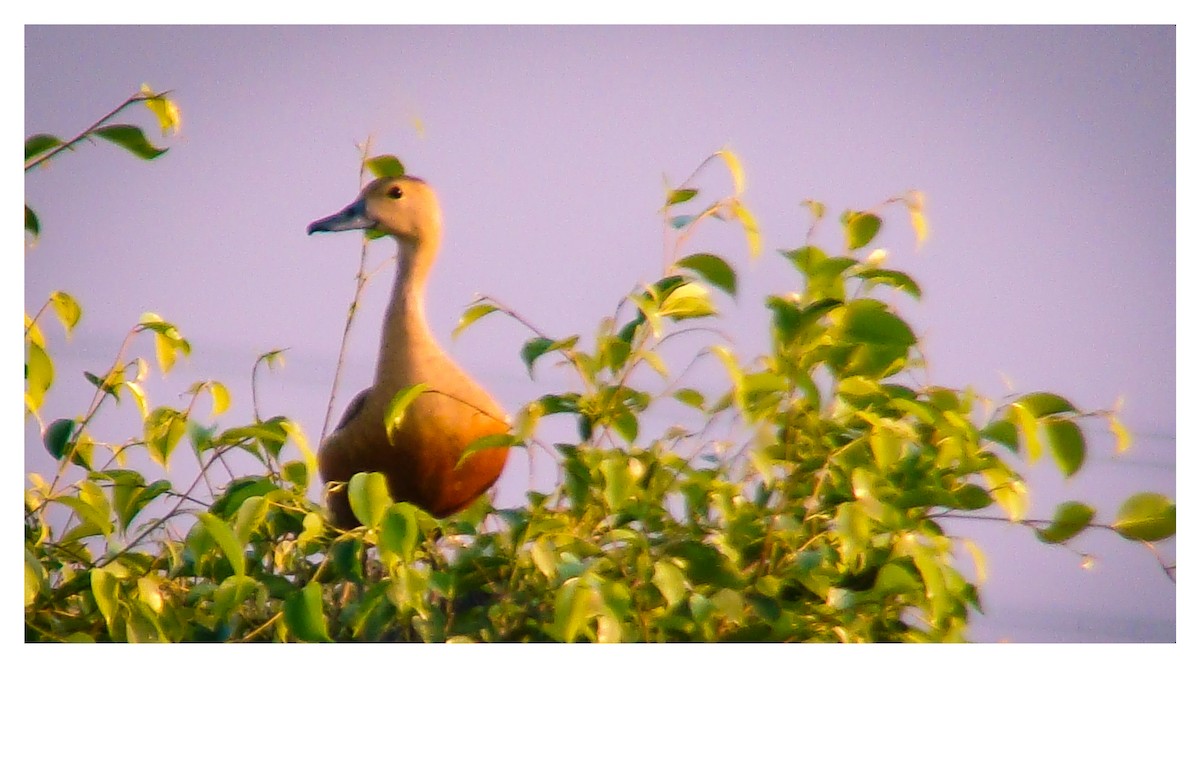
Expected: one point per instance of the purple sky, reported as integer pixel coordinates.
(1047, 157)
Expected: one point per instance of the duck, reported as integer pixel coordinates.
(421, 458)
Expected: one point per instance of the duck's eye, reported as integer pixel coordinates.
(395, 192)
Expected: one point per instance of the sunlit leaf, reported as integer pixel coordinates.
(1009, 492)
(893, 278)
(979, 559)
(304, 616)
(385, 166)
(369, 497)
(713, 269)
(1043, 403)
(688, 300)
(676, 196)
(1121, 434)
(393, 417)
(1026, 421)
(225, 538)
(861, 229)
(163, 428)
(67, 309)
(35, 578)
(487, 442)
(669, 580)
(735, 169)
(130, 138)
(1070, 518)
(749, 226)
(104, 589)
(471, 315)
(1146, 516)
(164, 109)
(39, 375)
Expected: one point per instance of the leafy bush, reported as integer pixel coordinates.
(805, 502)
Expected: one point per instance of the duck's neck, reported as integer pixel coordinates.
(406, 340)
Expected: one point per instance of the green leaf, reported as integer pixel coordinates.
(1070, 518)
(540, 346)
(385, 166)
(393, 417)
(1003, 432)
(399, 531)
(304, 616)
(220, 531)
(1027, 421)
(130, 138)
(67, 309)
(676, 196)
(487, 442)
(875, 325)
(58, 436)
(544, 557)
(36, 145)
(1146, 516)
(39, 375)
(231, 593)
(1043, 403)
(861, 229)
(369, 497)
(471, 315)
(35, 577)
(163, 429)
(690, 396)
(893, 278)
(104, 589)
(713, 269)
(32, 225)
(687, 300)
(669, 579)
(570, 609)
(1067, 444)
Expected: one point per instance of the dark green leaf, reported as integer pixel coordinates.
(893, 278)
(874, 325)
(36, 145)
(32, 225)
(714, 269)
(304, 616)
(385, 166)
(1146, 516)
(540, 346)
(58, 436)
(861, 229)
(1003, 432)
(1070, 518)
(1066, 444)
(130, 138)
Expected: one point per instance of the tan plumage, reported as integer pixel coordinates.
(420, 460)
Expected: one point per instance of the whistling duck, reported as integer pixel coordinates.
(421, 460)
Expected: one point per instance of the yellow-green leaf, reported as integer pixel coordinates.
(713, 269)
(471, 315)
(304, 616)
(1067, 444)
(393, 417)
(669, 580)
(369, 497)
(1146, 516)
(1121, 434)
(67, 309)
(385, 166)
(735, 169)
(1070, 518)
(220, 531)
(861, 229)
(749, 226)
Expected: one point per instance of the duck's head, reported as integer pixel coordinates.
(404, 207)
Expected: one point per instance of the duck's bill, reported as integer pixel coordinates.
(353, 216)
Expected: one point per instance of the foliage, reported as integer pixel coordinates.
(805, 502)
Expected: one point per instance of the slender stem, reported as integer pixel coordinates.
(360, 282)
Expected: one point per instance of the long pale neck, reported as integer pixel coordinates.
(406, 339)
